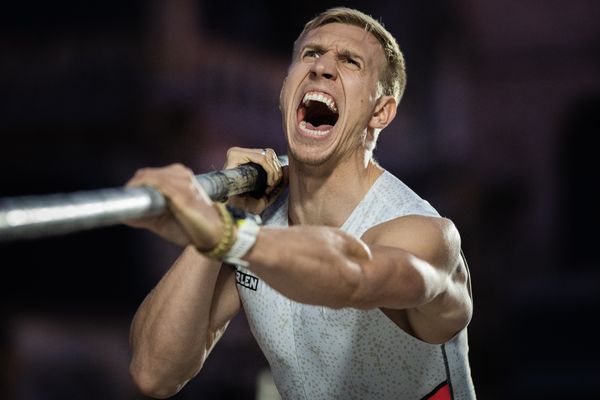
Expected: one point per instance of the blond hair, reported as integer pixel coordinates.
(393, 79)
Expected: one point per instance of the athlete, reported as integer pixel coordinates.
(354, 286)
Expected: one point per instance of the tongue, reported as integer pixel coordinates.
(318, 128)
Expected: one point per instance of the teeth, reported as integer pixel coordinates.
(320, 97)
(313, 131)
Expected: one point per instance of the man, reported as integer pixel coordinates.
(354, 287)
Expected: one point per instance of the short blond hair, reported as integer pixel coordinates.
(393, 79)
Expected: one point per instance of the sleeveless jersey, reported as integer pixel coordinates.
(316, 352)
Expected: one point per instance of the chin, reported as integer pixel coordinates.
(309, 158)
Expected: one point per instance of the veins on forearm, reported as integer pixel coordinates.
(316, 265)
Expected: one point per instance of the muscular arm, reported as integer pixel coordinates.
(411, 263)
(185, 315)
(179, 322)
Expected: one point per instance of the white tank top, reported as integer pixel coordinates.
(317, 352)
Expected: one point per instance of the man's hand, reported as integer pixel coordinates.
(276, 176)
(191, 217)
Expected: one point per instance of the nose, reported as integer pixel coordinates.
(324, 67)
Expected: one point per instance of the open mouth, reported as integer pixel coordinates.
(317, 113)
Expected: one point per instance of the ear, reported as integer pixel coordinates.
(384, 113)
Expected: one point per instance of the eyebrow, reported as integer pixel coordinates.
(313, 46)
(344, 52)
(349, 54)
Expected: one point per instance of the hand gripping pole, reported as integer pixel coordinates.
(56, 214)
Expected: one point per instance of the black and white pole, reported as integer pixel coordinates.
(32, 217)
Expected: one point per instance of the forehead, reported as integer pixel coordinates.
(346, 37)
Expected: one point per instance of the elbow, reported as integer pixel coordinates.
(150, 385)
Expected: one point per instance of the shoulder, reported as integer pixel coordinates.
(435, 239)
(402, 200)
(413, 222)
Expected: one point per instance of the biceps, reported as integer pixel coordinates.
(225, 304)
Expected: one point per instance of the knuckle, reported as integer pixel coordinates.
(233, 150)
(180, 168)
(176, 166)
(141, 172)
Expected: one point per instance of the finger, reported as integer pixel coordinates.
(176, 182)
(138, 178)
(237, 156)
(280, 186)
(266, 158)
(274, 173)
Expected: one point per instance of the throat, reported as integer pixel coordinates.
(326, 199)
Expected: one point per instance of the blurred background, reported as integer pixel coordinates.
(496, 130)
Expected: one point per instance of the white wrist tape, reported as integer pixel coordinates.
(247, 231)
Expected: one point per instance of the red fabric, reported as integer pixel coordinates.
(443, 393)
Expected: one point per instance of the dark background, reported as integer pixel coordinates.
(496, 131)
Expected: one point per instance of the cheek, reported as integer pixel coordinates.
(295, 74)
(290, 84)
(285, 98)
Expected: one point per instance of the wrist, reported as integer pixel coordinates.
(239, 232)
(247, 227)
(226, 236)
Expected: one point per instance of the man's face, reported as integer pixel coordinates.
(330, 93)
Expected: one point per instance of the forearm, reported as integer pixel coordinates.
(325, 266)
(315, 265)
(169, 334)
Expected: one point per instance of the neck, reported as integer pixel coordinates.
(326, 195)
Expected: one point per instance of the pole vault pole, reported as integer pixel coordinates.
(30, 217)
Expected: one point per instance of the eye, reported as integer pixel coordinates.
(352, 61)
(310, 54)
